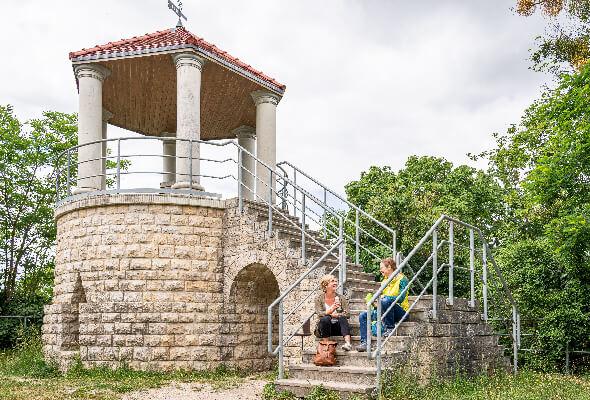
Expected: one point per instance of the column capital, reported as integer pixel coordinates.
(106, 115)
(263, 96)
(91, 71)
(189, 60)
(244, 131)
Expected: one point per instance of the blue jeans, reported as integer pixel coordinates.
(395, 315)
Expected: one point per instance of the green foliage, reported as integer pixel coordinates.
(26, 359)
(412, 199)
(28, 153)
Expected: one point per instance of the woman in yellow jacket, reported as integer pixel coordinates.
(398, 287)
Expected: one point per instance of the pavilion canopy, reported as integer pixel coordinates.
(140, 92)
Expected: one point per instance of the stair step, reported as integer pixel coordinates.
(354, 358)
(347, 374)
(301, 387)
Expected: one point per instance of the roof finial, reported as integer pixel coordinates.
(178, 11)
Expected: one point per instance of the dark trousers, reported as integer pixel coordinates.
(327, 328)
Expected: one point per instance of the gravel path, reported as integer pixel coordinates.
(249, 390)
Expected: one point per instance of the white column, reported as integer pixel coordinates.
(247, 139)
(106, 116)
(90, 79)
(266, 140)
(168, 161)
(188, 119)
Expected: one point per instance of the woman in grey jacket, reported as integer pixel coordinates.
(333, 310)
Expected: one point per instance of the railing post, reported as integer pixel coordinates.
(270, 204)
(294, 192)
(434, 271)
(281, 349)
(356, 237)
(324, 219)
(341, 254)
(472, 267)
(451, 263)
(240, 183)
(190, 167)
(514, 339)
(119, 164)
(567, 358)
(378, 349)
(69, 182)
(394, 242)
(484, 257)
(303, 252)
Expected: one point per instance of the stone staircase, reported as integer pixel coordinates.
(457, 341)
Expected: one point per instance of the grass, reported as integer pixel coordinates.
(24, 374)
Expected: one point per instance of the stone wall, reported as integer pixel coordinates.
(164, 282)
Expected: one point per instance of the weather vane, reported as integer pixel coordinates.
(177, 9)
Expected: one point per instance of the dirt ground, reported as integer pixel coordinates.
(249, 390)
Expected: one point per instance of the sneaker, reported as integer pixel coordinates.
(361, 347)
(346, 346)
(388, 332)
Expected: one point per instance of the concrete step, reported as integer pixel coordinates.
(357, 359)
(362, 284)
(302, 388)
(344, 374)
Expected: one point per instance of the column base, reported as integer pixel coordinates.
(80, 190)
(166, 185)
(188, 185)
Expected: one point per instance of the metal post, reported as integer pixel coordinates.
(190, 167)
(357, 234)
(281, 349)
(378, 350)
(270, 204)
(25, 326)
(342, 254)
(518, 328)
(303, 227)
(567, 358)
(394, 242)
(240, 183)
(434, 271)
(514, 340)
(472, 267)
(324, 219)
(69, 182)
(118, 164)
(485, 281)
(451, 263)
(294, 192)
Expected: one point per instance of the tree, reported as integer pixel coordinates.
(568, 38)
(28, 153)
(543, 165)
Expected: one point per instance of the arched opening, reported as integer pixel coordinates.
(252, 291)
(71, 338)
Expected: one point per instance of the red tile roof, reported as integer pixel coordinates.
(171, 39)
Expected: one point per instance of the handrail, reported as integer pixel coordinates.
(432, 233)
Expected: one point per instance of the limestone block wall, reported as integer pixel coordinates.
(164, 281)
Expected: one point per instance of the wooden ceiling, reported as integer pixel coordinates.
(141, 94)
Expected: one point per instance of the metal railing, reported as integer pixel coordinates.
(362, 230)
(432, 284)
(325, 245)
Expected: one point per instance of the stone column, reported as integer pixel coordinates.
(247, 139)
(106, 116)
(90, 79)
(168, 161)
(266, 140)
(188, 119)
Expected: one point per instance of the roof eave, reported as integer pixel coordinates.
(173, 49)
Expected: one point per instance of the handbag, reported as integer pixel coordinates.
(325, 355)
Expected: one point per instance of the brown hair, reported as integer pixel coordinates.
(389, 263)
(325, 280)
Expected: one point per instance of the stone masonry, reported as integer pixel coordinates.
(164, 282)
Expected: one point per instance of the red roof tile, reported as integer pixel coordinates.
(178, 38)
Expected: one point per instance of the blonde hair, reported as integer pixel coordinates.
(325, 280)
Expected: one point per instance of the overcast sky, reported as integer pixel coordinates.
(368, 82)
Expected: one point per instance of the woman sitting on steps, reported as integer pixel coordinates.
(332, 308)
